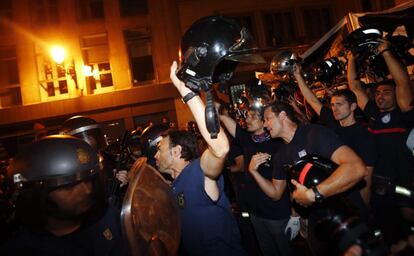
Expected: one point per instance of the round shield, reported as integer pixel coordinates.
(150, 216)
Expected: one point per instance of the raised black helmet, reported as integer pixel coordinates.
(210, 49)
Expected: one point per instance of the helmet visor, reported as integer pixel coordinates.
(245, 49)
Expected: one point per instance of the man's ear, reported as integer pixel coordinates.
(353, 106)
(176, 151)
(282, 115)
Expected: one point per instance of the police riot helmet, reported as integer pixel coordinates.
(54, 161)
(150, 137)
(283, 63)
(85, 128)
(209, 50)
(51, 163)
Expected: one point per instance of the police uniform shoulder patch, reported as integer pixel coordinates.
(107, 234)
(181, 200)
(83, 156)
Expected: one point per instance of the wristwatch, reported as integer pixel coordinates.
(318, 196)
(189, 96)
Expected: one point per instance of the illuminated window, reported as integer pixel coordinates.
(280, 28)
(95, 53)
(133, 7)
(55, 82)
(140, 55)
(6, 12)
(9, 78)
(317, 21)
(44, 12)
(90, 10)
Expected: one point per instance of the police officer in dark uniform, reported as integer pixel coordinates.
(90, 131)
(60, 202)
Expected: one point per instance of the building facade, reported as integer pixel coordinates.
(117, 54)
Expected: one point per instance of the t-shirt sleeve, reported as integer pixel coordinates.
(323, 141)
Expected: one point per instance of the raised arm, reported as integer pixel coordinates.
(354, 83)
(227, 121)
(213, 158)
(307, 93)
(400, 75)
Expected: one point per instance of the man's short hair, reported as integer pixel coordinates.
(187, 141)
(389, 82)
(349, 95)
(279, 106)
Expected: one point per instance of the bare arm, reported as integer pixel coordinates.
(229, 124)
(354, 83)
(400, 75)
(366, 191)
(212, 159)
(273, 189)
(306, 92)
(350, 171)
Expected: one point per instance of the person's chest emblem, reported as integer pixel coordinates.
(386, 119)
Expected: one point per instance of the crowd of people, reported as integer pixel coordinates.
(66, 190)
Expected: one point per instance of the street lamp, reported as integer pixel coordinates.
(58, 55)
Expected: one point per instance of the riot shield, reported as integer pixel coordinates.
(150, 215)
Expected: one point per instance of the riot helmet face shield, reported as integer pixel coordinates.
(57, 163)
(86, 129)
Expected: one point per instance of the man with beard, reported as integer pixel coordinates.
(390, 118)
(60, 202)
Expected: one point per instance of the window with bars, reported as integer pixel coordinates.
(317, 21)
(90, 10)
(95, 52)
(44, 12)
(53, 78)
(133, 7)
(139, 48)
(10, 94)
(280, 28)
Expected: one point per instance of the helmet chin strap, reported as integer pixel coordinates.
(211, 117)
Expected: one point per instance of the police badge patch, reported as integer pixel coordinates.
(107, 234)
(181, 200)
(83, 156)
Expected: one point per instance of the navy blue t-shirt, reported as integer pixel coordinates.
(208, 227)
(258, 202)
